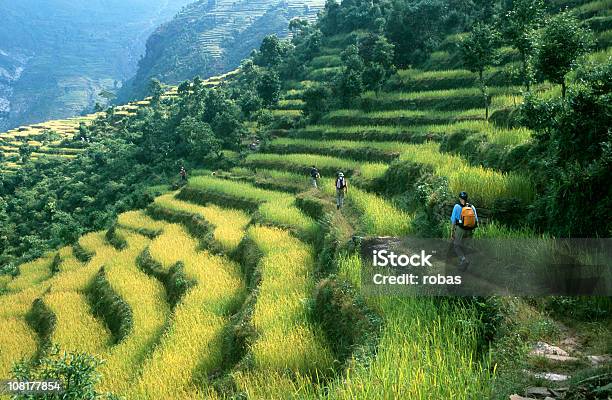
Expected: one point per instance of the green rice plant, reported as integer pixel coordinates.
(323, 74)
(286, 113)
(424, 353)
(377, 216)
(356, 150)
(417, 80)
(293, 94)
(495, 134)
(399, 117)
(285, 214)
(289, 104)
(192, 344)
(288, 343)
(300, 163)
(229, 224)
(234, 189)
(484, 185)
(599, 23)
(330, 60)
(17, 341)
(377, 133)
(593, 8)
(604, 39)
(76, 329)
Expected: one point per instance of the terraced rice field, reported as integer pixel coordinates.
(213, 294)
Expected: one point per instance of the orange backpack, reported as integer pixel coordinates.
(468, 217)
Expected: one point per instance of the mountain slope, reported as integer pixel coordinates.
(211, 37)
(57, 56)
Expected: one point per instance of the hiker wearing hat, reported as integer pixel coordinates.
(463, 222)
(314, 176)
(341, 189)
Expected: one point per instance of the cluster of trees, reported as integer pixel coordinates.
(548, 46)
(49, 203)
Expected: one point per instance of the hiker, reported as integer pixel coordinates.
(314, 176)
(463, 222)
(183, 174)
(341, 189)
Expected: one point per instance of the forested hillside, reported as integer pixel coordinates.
(244, 281)
(57, 56)
(212, 37)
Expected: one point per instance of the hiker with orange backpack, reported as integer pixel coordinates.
(463, 222)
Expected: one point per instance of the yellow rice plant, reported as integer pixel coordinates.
(287, 340)
(19, 303)
(4, 280)
(76, 329)
(192, 345)
(139, 220)
(284, 213)
(169, 247)
(69, 262)
(31, 274)
(483, 184)
(17, 341)
(147, 300)
(229, 223)
(275, 386)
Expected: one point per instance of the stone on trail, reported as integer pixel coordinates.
(603, 359)
(537, 391)
(544, 349)
(517, 397)
(551, 376)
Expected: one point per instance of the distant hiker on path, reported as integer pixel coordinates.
(463, 222)
(183, 174)
(341, 189)
(314, 176)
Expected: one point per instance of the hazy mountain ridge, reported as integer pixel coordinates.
(211, 37)
(57, 56)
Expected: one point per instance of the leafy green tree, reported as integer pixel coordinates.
(155, 90)
(25, 151)
(572, 156)
(271, 51)
(269, 87)
(316, 101)
(350, 82)
(377, 54)
(198, 137)
(250, 103)
(560, 43)
(518, 26)
(479, 51)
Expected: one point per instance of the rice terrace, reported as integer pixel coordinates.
(205, 240)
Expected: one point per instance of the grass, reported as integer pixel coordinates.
(234, 189)
(290, 104)
(331, 60)
(484, 185)
(287, 341)
(76, 328)
(323, 74)
(229, 223)
(191, 346)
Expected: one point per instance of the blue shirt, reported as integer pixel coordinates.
(456, 215)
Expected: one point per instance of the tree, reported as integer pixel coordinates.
(198, 137)
(316, 101)
(518, 25)
(560, 43)
(479, 51)
(572, 157)
(269, 87)
(350, 82)
(377, 55)
(25, 151)
(271, 51)
(155, 90)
